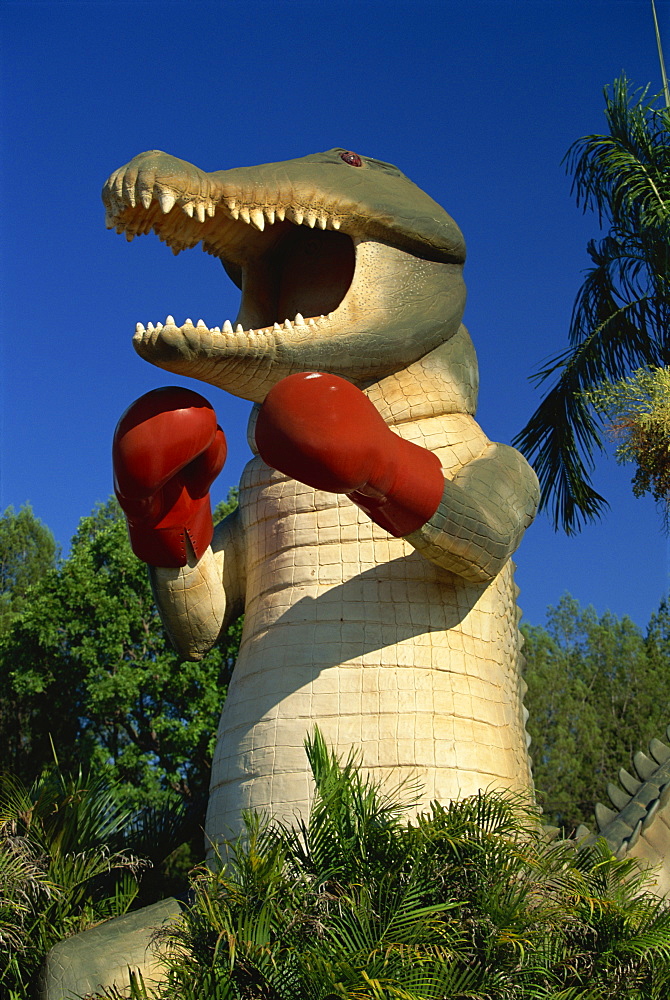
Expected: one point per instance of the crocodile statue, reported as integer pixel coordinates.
(639, 824)
(393, 629)
(371, 549)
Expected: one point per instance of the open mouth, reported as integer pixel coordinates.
(344, 265)
(293, 261)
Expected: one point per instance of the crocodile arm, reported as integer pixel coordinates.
(482, 515)
(197, 601)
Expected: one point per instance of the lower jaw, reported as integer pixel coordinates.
(247, 363)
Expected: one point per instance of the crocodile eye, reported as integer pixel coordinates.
(353, 159)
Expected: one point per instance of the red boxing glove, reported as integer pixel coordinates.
(167, 451)
(324, 432)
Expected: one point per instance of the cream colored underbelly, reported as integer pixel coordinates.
(362, 637)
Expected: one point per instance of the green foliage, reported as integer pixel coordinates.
(27, 551)
(468, 901)
(597, 693)
(621, 317)
(638, 409)
(58, 872)
(86, 668)
(227, 506)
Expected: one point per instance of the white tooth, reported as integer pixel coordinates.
(188, 322)
(270, 214)
(150, 327)
(258, 219)
(201, 324)
(200, 211)
(298, 217)
(159, 326)
(239, 328)
(244, 214)
(281, 213)
(139, 328)
(188, 208)
(227, 327)
(211, 209)
(312, 323)
(299, 321)
(323, 221)
(216, 329)
(167, 200)
(335, 223)
(288, 324)
(169, 321)
(145, 198)
(231, 203)
(310, 218)
(276, 328)
(235, 212)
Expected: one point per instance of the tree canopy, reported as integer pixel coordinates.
(597, 693)
(86, 672)
(27, 551)
(621, 317)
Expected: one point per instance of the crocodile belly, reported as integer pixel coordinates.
(364, 638)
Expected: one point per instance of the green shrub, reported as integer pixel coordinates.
(470, 900)
(72, 856)
(59, 872)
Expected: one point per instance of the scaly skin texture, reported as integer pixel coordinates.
(363, 635)
(407, 648)
(98, 959)
(639, 824)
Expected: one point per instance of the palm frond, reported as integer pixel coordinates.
(471, 902)
(624, 173)
(621, 316)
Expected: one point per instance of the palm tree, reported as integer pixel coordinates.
(621, 317)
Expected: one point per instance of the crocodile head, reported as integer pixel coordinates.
(344, 266)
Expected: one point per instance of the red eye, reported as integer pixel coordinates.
(353, 159)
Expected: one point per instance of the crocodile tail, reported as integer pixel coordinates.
(639, 824)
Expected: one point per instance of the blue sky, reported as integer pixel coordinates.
(476, 101)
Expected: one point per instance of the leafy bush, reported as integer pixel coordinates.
(470, 900)
(638, 408)
(72, 855)
(58, 872)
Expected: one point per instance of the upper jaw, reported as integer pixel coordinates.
(247, 226)
(185, 206)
